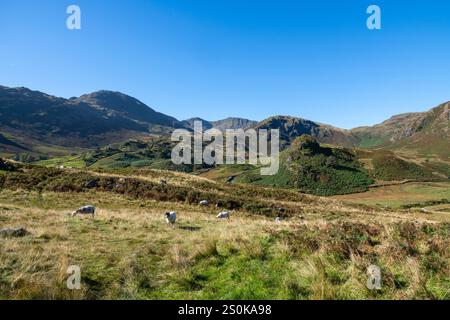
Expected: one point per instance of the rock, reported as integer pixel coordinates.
(91, 184)
(5, 166)
(13, 233)
(231, 179)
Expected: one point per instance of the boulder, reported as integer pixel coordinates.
(13, 233)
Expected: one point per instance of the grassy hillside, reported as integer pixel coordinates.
(153, 154)
(305, 166)
(414, 194)
(311, 168)
(387, 166)
(321, 250)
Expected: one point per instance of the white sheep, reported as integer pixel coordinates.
(224, 215)
(86, 210)
(204, 203)
(171, 218)
(278, 220)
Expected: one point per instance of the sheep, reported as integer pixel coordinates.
(86, 210)
(204, 203)
(278, 220)
(171, 218)
(224, 215)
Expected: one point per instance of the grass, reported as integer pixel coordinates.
(396, 196)
(67, 161)
(320, 251)
(313, 169)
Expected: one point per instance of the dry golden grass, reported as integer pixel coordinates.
(128, 252)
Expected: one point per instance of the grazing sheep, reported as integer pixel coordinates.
(224, 215)
(204, 203)
(171, 218)
(86, 210)
(278, 220)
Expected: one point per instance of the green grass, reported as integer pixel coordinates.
(402, 196)
(390, 168)
(127, 251)
(67, 161)
(314, 169)
(368, 141)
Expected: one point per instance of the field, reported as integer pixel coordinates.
(321, 250)
(417, 194)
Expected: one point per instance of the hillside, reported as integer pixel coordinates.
(190, 123)
(292, 128)
(311, 168)
(108, 129)
(432, 137)
(35, 122)
(119, 104)
(397, 128)
(425, 134)
(47, 125)
(153, 153)
(320, 250)
(228, 123)
(305, 165)
(233, 123)
(317, 169)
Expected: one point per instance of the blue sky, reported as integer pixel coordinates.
(252, 59)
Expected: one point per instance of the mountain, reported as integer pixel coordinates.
(7, 143)
(424, 134)
(206, 125)
(34, 120)
(233, 123)
(154, 153)
(228, 123)
(119, 104)
(326, 170)
(315, 169)
(390, 131)
(292, 128)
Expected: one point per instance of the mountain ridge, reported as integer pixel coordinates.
(30, 119)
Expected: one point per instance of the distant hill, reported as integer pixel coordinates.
(190, 123)
(6, 143)
(395, 129)
(35, 123)
(315, 169)
(424, 134)
(233, 123)
(154, 153)
(46, 124)
(292, 128)
(121, 105)
(228, 123)
(319, 169)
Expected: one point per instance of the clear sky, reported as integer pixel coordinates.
(253, 59)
